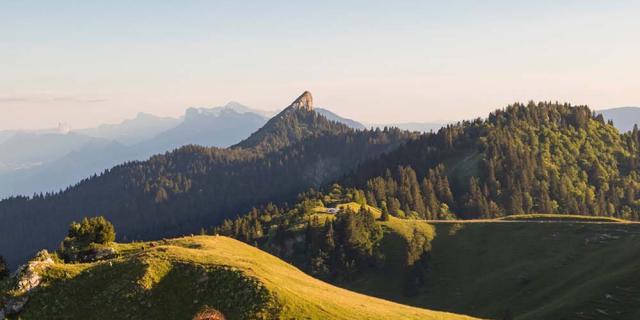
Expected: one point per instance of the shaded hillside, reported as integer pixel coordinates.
(527, 270)
(193, 187)
(176, 279)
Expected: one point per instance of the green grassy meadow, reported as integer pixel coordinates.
(522, 270)
(174, 279)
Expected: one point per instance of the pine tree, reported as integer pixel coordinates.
(430, 200)
(394, 206)
(4, 271)
(385, 213)
(329, 240)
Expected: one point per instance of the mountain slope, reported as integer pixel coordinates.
(623, 118)
(87, 160)
(6, 134)
(296, 122)
(24, 150)
(193, 187)
(175, 279)
(334, 117)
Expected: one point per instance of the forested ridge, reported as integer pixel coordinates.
(534, 158)
(193, 187)
(539, 157)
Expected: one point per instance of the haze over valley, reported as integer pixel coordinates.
(223, 160)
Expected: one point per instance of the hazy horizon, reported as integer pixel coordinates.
(89, 63)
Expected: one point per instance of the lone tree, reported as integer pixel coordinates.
(385, 213)
(4, 271)
(82, 236)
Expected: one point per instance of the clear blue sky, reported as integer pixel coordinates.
(88, 62)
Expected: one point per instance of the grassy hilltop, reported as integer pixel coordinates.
(175, 279)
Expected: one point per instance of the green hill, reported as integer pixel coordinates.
(522, 267)
(530, 270)
(175, 279)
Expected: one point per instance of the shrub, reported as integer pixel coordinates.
(85, 236)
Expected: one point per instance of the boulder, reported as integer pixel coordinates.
(96, 254)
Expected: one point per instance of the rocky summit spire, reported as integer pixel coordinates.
(304, 102)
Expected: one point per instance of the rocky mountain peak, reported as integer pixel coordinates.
(304, 102)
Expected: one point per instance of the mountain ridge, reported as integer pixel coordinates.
(299, 150)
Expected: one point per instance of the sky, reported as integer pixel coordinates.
(88, 62)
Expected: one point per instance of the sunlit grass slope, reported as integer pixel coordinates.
(174, 279)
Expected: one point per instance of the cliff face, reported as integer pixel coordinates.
(304, 102)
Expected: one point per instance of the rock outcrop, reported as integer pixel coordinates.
(304, 102)
(96, 254)
(26, 279)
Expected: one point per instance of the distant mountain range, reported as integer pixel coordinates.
(53, 159)
(412, 126)
(50, 160)
(209, 127)
(143, 127)
(624, 118)
(334, 117)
